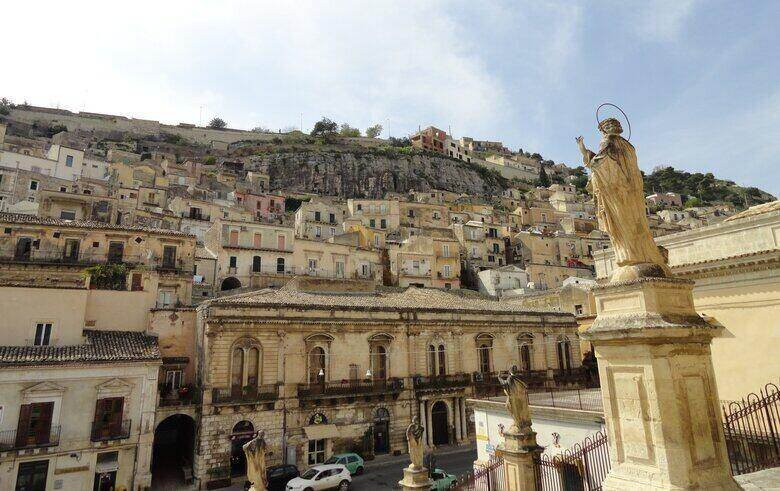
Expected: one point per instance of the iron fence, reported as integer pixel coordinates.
(583, 467)
(441, 381)
(248, 394)
(10, 440)
(350, 387)
(582, 399)
(103, 431)
(488, 478)
(752, 430)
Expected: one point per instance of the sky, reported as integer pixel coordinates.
(699, 80)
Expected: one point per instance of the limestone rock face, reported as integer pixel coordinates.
(371, 175)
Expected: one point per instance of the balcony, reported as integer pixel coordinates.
(439, 382)
(9, 440)
(351, 388)
(185, 396)
(245, 395)
(172, 266)
(488, 383)
(58, 256)
(196, 216)
(103, 432)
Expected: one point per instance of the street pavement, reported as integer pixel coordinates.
(385, 473)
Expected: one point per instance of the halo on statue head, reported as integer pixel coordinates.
(598, 121)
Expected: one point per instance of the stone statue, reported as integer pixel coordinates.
(516, 401)
(414, 435)
(617, 187)
(255, 462)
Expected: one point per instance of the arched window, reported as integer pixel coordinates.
(245, 365)
(442, 369)
(379, 362)
(484, 350)
(280, 265)
(564, 353)
(317, 372)
(432, 360)
(525, 343)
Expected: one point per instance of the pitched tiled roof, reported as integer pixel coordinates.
(100, 347)
(59, 222)
(756, 210)
(418, 299)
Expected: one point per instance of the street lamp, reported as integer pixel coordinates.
(368, 373)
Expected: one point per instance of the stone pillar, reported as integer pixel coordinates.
(429, 423)
(519, 451)
(456, 416)
(464, 422)
(660, 399)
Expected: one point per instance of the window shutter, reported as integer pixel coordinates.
(24, 424)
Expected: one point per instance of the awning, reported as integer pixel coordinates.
(321, 432)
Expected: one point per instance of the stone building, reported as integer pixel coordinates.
(319, 219)
(324, 372)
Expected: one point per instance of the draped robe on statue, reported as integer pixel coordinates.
(617, 186)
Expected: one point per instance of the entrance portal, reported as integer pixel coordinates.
(441, 434)
(381, 431)
(243, 431)
(173, 451)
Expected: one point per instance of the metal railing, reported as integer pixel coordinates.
(583, 466)
(58, 255)
(350, 387)
(233, 395)
(430, 382)
(581, 399)
(752, 431)
(488, 382)
(173, 398)
(570, 376)
(9, 440)
(488, 478)
(103, 432)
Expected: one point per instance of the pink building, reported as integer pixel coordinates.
(264, 206)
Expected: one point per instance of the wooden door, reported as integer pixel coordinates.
(116, 251)
(34, 426)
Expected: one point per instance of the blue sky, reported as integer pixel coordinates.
(700, 80)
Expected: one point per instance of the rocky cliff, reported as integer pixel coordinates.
(372, 174)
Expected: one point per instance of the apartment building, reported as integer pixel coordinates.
(320, 219)
(431, 139)
(376, 214)
(251, 253)
(341, 257)
(423, 215)
(74, 206)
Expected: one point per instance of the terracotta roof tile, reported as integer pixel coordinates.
(100, 347)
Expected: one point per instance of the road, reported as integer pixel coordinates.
(386, 474)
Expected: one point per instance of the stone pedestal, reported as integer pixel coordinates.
(660, 400)
(519, 451)
(416, 479)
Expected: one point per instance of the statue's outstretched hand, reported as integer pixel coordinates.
(581, 144)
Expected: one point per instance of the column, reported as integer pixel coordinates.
(661, 405)
(463, 421)
(423, 419)
(429, 424)
(457, 418)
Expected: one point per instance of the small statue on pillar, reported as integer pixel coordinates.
(254, 450)
(414, 435)
(516, 401)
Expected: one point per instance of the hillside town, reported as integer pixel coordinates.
(170, 290)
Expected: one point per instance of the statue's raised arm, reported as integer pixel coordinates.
(618, 190)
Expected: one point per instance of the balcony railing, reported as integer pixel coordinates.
(59, 256)
(174, 266)
(103, 432)
(173, 398)
(489, 382)
(432, 382)
(244, 395)
(350, 388)
(9, 440)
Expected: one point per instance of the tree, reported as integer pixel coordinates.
(400, 142)
(692, 202)
(261, 129)
(374, 131)
(5, 106)
(544, 180)
(324, 127)
(217, 123)
(346, 130)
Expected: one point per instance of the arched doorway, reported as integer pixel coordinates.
(243, 431)
(230, 283)
(441, 434)
(381, 431)
(173, 451)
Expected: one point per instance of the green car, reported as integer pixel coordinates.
(352, 461)
(442, 481)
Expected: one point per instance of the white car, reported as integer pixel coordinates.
(320, 477)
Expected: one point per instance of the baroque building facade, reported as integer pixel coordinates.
(323, 372)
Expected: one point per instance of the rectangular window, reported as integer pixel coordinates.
(332, 218)
(169, 257)
(63, 189)
(317, 216)
(280, 242)
(32, 475)
(164, 299)
(447, 271)
(383, 223)
(69, 161)
(445, 250)
(173, 379)
(416, 265)
(312, 265)
(364, 269)
(233, 261)
(34, 427)
(108, 418)
(372, 223)
(332, 231)
(316, 452)
(233, 238)
(257, 240)
(339, 269)
(376, 240)
(318, 231)
(359, 207)
(33, 185)
(42, 334)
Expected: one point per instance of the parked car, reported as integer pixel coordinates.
(352, 461)
(442, 481)
(280, 475)
(319, 477)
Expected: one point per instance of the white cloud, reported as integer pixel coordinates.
(661, 20)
